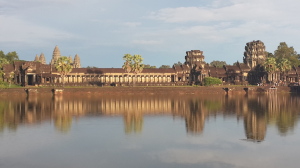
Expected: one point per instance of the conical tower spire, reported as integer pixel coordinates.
(56, 55)
(76, 63)
(71, 59)
(36, 58)
(42, 58)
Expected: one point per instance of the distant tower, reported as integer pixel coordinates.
(55, 56)
(76, 63)
(42, 58)
(37, 59)
(194, 58)
(71, 59)
(254, 53)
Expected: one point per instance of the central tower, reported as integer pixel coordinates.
(55, 56)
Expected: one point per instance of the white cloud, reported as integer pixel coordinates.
(17, 30)
(132, 24)
(264, 11)
(172, 28)
(146, 42)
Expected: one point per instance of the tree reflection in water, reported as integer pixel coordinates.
(256, 111)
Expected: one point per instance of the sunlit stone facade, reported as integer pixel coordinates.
(255, 53)
(191, 72)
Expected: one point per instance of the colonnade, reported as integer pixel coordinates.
(113, 78)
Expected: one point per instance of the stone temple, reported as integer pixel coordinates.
(191, 72)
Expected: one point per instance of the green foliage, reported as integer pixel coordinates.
(2, 55)
(164, 66)
(218, 64)
(268, 54)
(208, 81)
(63, 66)
(8, 58)
(91, 67)
(128, 62)
(284, 64)
(137, 65)
(12, 56)
(149, 66)
(8, 85)
(133, 63)
(270, 65)
(284, 51)
(3, 61)
(178, 63)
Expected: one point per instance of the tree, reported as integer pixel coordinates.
(270, 66)
(2, 55)
(268, 54)
(208, 81)
(63, 66)
(178, 63)
(218, 64)
(133, 63)
(90, 67)
(164, 66)
(137, 66)
(283, 65)
(12, 56)
(3, 61)
(284, 51)
(149, 66)
(128, 62)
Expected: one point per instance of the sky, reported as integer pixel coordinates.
(102, 31)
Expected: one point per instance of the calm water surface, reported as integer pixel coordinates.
(208, 131)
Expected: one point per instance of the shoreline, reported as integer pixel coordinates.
(148, 90)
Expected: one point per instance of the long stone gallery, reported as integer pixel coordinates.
(191, 72)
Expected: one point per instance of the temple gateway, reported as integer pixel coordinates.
(191, 72)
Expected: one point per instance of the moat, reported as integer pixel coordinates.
(155, 130)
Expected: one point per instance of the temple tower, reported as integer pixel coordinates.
(42, 58)
(55, 56)
(36, 58)
(76, 63)
(71, 59)
(194, 58)
(254, 53)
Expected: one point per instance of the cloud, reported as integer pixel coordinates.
(17, 30)
(146, 42)
(132, 24)
(223, 21)
(237, 10)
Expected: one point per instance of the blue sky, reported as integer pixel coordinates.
(102, 31)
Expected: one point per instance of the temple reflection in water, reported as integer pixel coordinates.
(255, 111)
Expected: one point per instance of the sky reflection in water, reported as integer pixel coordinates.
(184, 131)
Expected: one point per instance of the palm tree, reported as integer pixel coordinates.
(127, 63)
(63, 66)
(283, 65)
(270, 67)
(137, 66)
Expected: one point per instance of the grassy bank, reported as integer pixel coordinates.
(157, 90)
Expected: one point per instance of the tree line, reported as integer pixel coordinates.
(7, 58)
